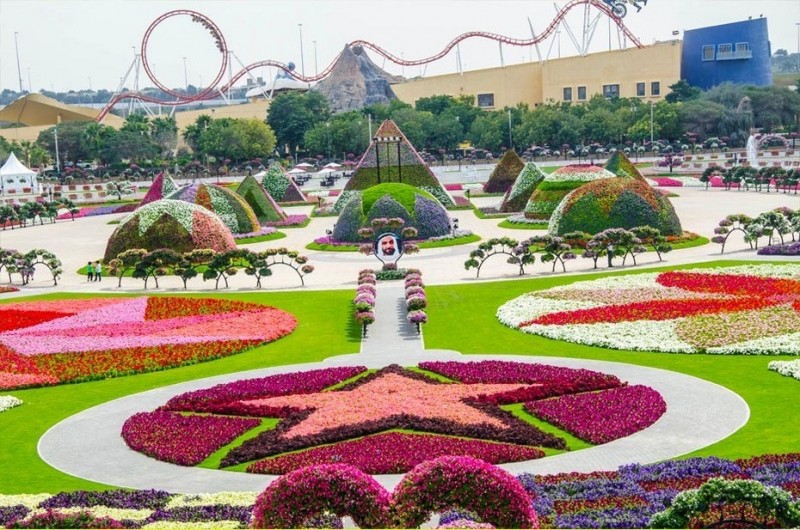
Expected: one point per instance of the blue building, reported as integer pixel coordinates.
(738, 53)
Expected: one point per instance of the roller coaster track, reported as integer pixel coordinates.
(216, 33)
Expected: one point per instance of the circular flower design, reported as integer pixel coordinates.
(737, 310)
(51, 342)
(349, 416)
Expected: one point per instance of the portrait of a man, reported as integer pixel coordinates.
(388, 247)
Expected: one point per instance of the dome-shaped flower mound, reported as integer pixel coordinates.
(162, 186)
(621, 166)
(614, 203)
(178, 225)
(525, 184)
(234, 211)
(505, 173)
(556, 185)
(280, 186)
(417, 207)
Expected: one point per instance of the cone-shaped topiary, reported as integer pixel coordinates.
(620, 165)
(162, 186)
(557, 185)
(231, 208)
(614, 203)
(264, 206)
(280, 185)
(392, 158)
(176, 225)
(505, 173)
(526, 183)
(418, 208)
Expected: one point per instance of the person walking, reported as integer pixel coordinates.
(98, 271)
(90, 271)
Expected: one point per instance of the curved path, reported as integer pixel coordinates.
(88, 444)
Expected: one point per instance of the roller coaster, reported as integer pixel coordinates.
(613, 10)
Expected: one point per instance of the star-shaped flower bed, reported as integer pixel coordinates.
(737, 310)
(383, 422)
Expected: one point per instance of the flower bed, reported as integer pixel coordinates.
(265, 231)
(337, 407)
(59, 341)
(395, 453)
(9, 402)
(788, 249)
(737, 310)
(787, 368)
(600, 417)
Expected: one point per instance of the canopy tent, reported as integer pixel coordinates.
(36, 109)
(332, 165)
(325, 171)
(305, 165)
(260, 174)
(296, 171)
(15, 177)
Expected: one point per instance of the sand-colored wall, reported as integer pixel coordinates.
(659, 62)
(519, 83)
(536, 83)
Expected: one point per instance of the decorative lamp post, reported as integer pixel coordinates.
(388, 141)
(453, 226)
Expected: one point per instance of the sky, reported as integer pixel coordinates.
(79, 44)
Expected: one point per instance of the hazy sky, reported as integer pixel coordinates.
(65, 44)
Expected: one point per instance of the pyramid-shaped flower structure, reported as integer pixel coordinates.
(620, 165)
(558, 184)
(390, 158)
(177, 225)
(264, 206)
(162, 186)
(525, 184)
(234, 211)
(505, 173)
(280, 186)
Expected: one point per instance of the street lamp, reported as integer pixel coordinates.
(185, 77)
(453, 226)
(302, 56)
(651, 121)
(58, 161)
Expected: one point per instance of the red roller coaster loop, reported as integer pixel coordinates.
(216, 33)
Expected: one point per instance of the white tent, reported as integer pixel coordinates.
(260, 174)
(296, 171)
(325, 171)
(332, 165)
(15, 176)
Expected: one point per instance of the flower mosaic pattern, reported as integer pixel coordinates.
(736, 310)
(49, 342)
(349, 415)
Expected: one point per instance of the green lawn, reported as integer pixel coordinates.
(259, 239)
(463, 240)
(326, 328)
(522, 226)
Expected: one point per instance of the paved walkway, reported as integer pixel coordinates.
(699, 413)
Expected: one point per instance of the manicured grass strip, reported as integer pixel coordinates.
(480, 215)
(522, 226)
(332, 248)
(696, 242)
(573, 443)
(214, 459)
(774, 425)
(259, 239)
(325, 328)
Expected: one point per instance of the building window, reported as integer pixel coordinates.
(640, 90)
(742, 47)
(485, 100)
(610, 91)
(568, 93)
(655, 88)
(581, 93)
(708, 52)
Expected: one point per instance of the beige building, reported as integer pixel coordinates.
(645, 73)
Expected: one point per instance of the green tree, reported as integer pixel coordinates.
(128, 145)
(292, 114)
(164, 133)
(682, 91)
(193, 132)
(137, 123)
(489, 131)
(259, 138)
(71, 146)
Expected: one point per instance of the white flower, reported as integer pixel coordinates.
(208, 525)
(641, 335)
(787, 368)
(9, 402)
(231, 498)
(27, 500)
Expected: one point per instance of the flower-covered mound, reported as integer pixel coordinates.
(386, 421)
(264, 206)
(176, 225)
(51, 342)
(162, 186)
(418, 208)
(505, 173)
(787, 368)
(9, 402)
(525, 184)
(625, 498)
(558, 184)
(384, 162)
(280, 185)
(234, 211)
(620, 202)
(736, 310)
